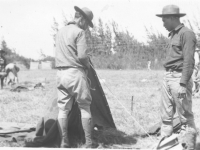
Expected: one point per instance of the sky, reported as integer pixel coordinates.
(25, 25)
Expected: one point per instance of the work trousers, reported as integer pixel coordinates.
(171, 104)
(72, 85)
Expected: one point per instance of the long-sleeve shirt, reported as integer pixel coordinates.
(71, 47)
(181, 52)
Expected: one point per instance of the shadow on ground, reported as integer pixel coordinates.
(111, 138)
(108, 138)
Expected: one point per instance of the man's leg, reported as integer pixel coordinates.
(184, 109)
(2, 83)
(16, 77)
(84, 99)
(167, 110)
(65, 102)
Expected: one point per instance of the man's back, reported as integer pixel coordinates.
(66, 46)
(11, 67)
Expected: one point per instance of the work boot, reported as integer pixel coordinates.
(63, 132)
(87, 128)
(189, 139)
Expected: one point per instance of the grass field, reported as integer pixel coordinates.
(120, 86)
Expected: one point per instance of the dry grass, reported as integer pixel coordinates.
(119, 87)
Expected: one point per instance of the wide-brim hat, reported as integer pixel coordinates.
(171, 10)
(87, 14)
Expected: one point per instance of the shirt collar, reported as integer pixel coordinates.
(176, 29)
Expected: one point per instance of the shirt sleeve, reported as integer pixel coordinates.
(82, 49)
(188, 46)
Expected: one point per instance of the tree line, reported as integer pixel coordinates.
(112, 48)
(12, 57)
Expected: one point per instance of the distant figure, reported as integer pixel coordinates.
(196, 85)
(2, 66)
(11, 71)
(155, 63)
(195, 74)
(149, 65)
(196, 58)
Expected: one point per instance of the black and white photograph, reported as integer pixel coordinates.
(100, 74)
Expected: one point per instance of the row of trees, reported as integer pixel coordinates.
(129, 53)
(11, 55)
(112, 48)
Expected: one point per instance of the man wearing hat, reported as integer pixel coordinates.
(72, 63)
(177, 84)
(2, 66)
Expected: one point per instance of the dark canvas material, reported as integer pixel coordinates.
(46, 133)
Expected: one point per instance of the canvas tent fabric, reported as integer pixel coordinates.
(34, 65)
(40, 65)
(46, 132)
(46, 65)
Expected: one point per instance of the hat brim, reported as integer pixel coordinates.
(164, 15)
(85, 16)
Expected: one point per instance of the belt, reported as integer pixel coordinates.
(63, 68)
(173, 70)
(67, 67)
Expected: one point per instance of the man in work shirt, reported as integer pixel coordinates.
(72, 63)
(2, 66)
(177, 85)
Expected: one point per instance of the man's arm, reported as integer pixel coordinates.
(82, 50)
(188, 46)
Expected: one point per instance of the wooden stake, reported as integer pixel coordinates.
(132, 105)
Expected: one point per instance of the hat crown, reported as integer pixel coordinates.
(88, 13)
(170, 9)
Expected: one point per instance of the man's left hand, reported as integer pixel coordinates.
(182, 91)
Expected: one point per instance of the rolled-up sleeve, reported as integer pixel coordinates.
(82, 49)
(188, 46)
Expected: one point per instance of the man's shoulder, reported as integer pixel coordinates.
(185, 29)
(71, 28)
